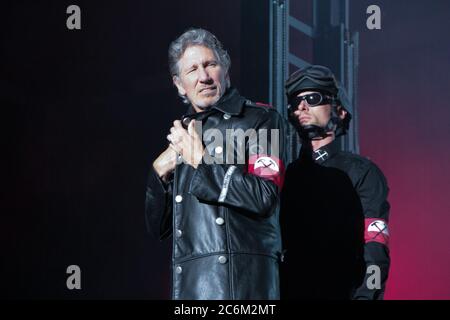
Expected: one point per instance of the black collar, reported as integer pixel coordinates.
(230, 103)
(326, 152)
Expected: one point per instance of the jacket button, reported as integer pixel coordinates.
(178, 198)
(218, 149)
(226, 116)
(179, 233)
(222, 259)
(220, 221)
(178, 269)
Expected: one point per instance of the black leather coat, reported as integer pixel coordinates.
(223, 218)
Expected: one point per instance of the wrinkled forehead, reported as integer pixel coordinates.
(195, 55)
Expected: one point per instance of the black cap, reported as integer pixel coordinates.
(313, 77)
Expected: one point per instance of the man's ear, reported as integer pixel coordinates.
(341, 112)
(177, 82)
(227, 80)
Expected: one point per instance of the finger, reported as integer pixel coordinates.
(194, 132)
(191, 127)
(172, 130)
(177, 124)
(173, 138)
(178, 130)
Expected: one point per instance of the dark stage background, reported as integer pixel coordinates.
(85, 112)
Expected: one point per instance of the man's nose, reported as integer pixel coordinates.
(303, 106)
(203, 75)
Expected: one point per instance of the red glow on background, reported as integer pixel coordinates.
(403, 140)
(404, 127)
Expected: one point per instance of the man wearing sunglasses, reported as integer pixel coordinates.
(334, 210)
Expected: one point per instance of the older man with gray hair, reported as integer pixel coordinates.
(222, 214)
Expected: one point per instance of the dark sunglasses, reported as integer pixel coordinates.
(312, 100)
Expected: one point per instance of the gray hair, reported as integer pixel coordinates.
(196, 37)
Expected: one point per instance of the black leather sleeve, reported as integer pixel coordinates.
(245, 191)
(373, 192)
(158, 206)
(235, 186)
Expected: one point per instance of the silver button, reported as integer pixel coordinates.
(226, 116)
(218, 149)
(220, 221)
(178, 198)
(222, 259)
(179, 233)
(178, 269)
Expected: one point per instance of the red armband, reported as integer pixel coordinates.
(376, 230)
(267, 167)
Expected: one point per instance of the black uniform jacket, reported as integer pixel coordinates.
(223, 216)
(334, 220)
